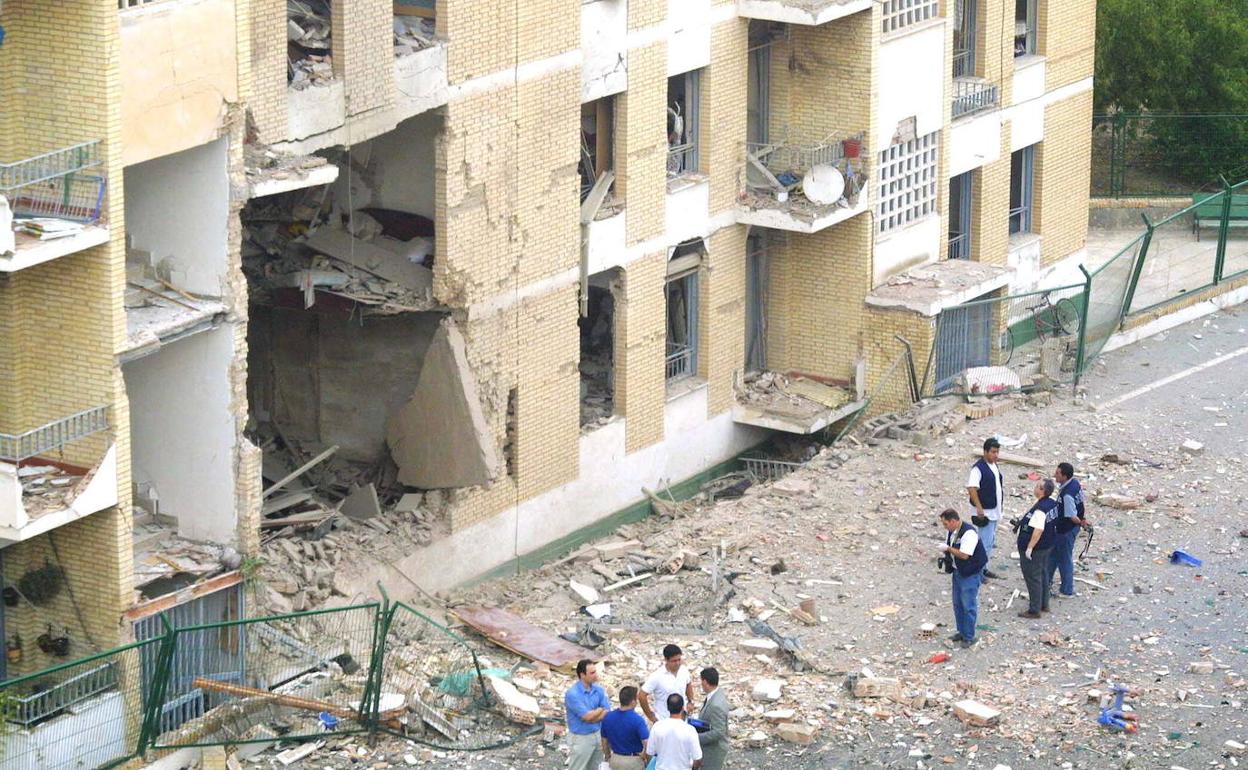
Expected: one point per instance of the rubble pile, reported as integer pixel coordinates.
(264, 164)
(47, 487)
(413, 33)
(309, 38)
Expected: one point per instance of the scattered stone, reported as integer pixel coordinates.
(1200, 667)
(778, 716)
(759, 646)
(1192, 447)
(975, 713)
(796, 733)
(767, 690)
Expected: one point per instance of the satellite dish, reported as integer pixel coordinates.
(823, 185)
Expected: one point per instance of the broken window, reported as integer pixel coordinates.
(682, 309)
(309, 61)
(756, 301)
(684, 94)
(597, 139)
(1022, 164)
(597, 364)
(415, 25)
(1025, 27)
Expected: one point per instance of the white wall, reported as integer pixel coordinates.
(402, 166)
(177, 207)
(973, 142)
(604, 47)
(182, 432)
(912, 83)
(688, 213)
(918, 244)
(689, 35)
(420, 81)
(1028, 78)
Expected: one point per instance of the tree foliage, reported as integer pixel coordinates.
(1187, 56)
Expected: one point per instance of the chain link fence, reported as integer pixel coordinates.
(1156, 154)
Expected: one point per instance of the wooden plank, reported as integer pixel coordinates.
(282, 502)
(297, 472)
(162, 603)
(628, 581)
(514, 633)
(307, 517)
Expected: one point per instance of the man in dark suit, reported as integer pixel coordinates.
(715, 714)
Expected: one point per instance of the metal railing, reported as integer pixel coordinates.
(679, 361)
(28, 710)
(899, 14)
(49, 165)
(959, 246)
(788, 162)
(766, 469)
(53, 185)
(682, 159)
(1165, 154)
(971, 96)
(963, 63)
(1020, 220)
(16, 447)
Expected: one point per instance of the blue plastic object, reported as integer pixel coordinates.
(1185, 558)
(328, 721)
(1114, 717)
(698, 724)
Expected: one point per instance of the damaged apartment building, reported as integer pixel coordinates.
(493, 268)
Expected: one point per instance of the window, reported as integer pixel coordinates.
(1021, 166)
(684, 98)
(1024, 27)
(960, 201)
(682, 309)
(597, 132)
(899, 14)
(597, 364)
(907, 182)
(756, 269)
(964, 23)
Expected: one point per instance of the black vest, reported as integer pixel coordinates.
(978, 560)
(989, 485)
(1051, 511)
(1073, 490)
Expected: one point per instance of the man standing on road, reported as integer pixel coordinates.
(624, 734)
(1036, 533)
(986, 487)
(963, 544)
(715, 714)
(671, 677)
(1070, 519)
(585, 704)
(673, 740)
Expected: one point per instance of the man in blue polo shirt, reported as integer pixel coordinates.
(585, 704)
(624, 733)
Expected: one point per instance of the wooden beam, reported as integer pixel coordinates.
(302, 469)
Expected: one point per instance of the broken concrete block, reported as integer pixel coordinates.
(756, 739)
(409, 503)
(588, 594)
(767, 690)
(1234, 747)
(1192, 447)
(793, 486)
(779, 716)
(975, 713)
(615, 549)
(517, 706)
(759, 646)
(877, 687)
(361, 503)
(440, 437)
(796, 733)
(1200, 667)
(365, 255)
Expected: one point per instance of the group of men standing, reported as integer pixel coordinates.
(664, 739)
(1046, 539)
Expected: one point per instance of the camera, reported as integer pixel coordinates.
(1016, 522)
(945, 564)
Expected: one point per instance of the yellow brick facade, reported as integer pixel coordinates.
(640, 334)
(1063, 177)
(641, 143)
(1067, 40)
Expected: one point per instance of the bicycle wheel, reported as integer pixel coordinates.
(1066, 316)
(1006, 347)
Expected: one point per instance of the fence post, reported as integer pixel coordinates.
(1117, 155)
(1137, 269)
(1224, 227)
(1083, 327)
(370, 702)
(160, 685)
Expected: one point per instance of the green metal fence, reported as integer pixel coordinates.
(368, 668)
(1057, 332)
(1157, 154)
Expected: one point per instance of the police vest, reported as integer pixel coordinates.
(989, 486)
(978, 560)
(1073, 490)
(1051, 511)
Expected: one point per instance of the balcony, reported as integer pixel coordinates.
(972, 95)
(39, 494)
(56, 206)
(803, 188)
(791, 403)
(808, 12)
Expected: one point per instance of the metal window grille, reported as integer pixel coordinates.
(899, 14)
(908, 182)
(961, 197)
(1022, 164)
(964, 31)
(16, 447)
(55, 699)
(971, 96)
(682, 157)
(682, 326)
(766, 469)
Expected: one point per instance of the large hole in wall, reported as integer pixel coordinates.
(597, 363)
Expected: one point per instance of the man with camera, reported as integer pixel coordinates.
(1037, 531)
(965, 558)
(986, 487)
(1070, 519)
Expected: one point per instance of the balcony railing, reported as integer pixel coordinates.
(681, 159)
(963, 63)
(16, 447)
(787, 163)
(53, 185)
(679, 362)
(971, 96)
(959, 245)
(32, 709)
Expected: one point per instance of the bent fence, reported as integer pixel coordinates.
(368, 668)
(1053, 334)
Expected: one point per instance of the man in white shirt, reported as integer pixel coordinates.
(673, 740)
(986, 487)
(671, 677)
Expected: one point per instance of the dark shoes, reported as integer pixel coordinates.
(956, 638)
(1029, 614)
(991, 575)
(969, 643)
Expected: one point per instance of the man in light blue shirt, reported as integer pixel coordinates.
(585, 704)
